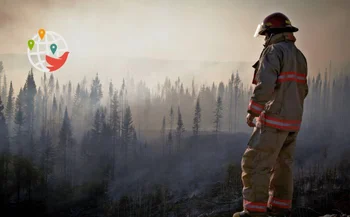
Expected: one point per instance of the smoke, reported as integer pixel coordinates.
(214, 31)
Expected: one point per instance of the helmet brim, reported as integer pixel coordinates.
(261, 30)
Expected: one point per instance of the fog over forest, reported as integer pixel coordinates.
(149, 119)
(72, 142)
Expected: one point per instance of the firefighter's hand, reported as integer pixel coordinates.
(250, 119)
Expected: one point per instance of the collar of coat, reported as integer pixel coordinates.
(284, 36)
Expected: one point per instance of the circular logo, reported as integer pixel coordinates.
(47, 51)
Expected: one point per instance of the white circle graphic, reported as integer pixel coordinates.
(42, 47)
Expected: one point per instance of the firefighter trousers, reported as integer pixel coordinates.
(267, 171)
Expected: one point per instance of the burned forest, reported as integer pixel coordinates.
(126, 149)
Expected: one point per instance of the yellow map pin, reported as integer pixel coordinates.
(41, 33)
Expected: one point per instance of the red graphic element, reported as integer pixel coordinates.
(56, 63)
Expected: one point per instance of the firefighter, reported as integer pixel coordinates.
(277, 107)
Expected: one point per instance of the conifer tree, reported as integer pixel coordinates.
(57, 86)
(4, 151)
(96, 129)
(77, 94)
(171, 120)
(29, 92)
(38, 110)
(10, 107)
(54, 106)
(230, 89)
(134, 142)
(180, 129)
(236, 85)
(19, 121)
(171, 116)
(4, 135)
(114, 122)
(114, 114)
(4, 90)
(122, 96)
(45, 100)
(147, 108)
(64, 89)
(127, 133)
(47, 156)
(221, 90)
(182, 90)
(162, 135)
(60, 110)
(106, 157)
(218, 115)
(77, 104)
(110, 90)
(110, 95)
(96, 91)
(197, 118)
(65, 145)
(193, 90)
(69, 95)
(54, 113)
(44, 80)
(51, 85)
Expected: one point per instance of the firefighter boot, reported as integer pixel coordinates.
(241, 214)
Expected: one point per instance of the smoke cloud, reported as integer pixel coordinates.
(211, 30)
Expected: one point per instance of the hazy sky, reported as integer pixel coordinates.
(220, 30)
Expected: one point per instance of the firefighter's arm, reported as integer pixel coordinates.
(266, 78)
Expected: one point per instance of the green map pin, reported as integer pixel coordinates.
(31, 44)
(53, 48)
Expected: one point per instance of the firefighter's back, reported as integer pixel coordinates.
(286, 107)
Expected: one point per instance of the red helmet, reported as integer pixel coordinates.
(275, 23)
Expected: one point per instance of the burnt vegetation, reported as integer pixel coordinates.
(123, 150)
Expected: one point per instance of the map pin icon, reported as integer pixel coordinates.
(41, 33)
(31, 44)
(53, 48)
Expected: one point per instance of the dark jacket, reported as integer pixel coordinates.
(281, 84)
